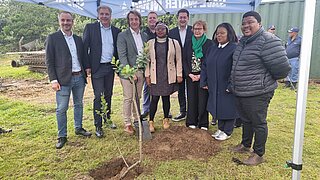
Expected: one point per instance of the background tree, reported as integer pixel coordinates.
(27, 20)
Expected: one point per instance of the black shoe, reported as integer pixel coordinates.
(61, 142)
(5, 131)
(83, 132)
(170, 115)
(180, 117)
(144, 115)
(99, 132)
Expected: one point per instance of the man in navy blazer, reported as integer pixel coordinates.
(100, 40)
(182, 33)
(64, 59)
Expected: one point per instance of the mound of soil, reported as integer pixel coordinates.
(179, 142)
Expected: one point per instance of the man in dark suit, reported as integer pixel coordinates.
(64, 59)
(182, 33)
(151, 32)
(100, 40)
(130, 44)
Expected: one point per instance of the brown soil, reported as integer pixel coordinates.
(176, 143)
(179, 142)
(114, 168)
(35, 91)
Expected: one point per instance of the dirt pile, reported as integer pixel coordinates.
(179, 142)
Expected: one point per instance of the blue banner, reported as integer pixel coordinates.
(120, 8)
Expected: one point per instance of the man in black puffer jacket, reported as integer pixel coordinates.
(258, 61)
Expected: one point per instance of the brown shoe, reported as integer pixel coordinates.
(151, 126)
(129, 129)
(253, 160)
(240, 149)
(166, 123)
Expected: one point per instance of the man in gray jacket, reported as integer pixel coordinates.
(130, 44)
(258, 61)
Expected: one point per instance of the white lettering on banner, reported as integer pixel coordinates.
(73, 3)
(146, 6)
(152, 5)
(174, 4)
(167, 4)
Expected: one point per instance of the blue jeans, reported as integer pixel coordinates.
(293, 75)
(76, 86)
(146, 98)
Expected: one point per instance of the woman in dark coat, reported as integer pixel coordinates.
(195, 50)
(216, 70)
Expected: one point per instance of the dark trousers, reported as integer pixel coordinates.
(146, 98)
(154, 106)
(238, 122)
(253, 112)
(226, 125)
(197, 104)
(182, 96)
(102, 83)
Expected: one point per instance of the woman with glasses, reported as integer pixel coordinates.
(163, 72)
(197, 115)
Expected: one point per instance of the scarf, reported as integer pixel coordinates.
(197, 45)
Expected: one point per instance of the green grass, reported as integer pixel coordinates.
(28, 152)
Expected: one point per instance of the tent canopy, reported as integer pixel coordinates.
(120, 8)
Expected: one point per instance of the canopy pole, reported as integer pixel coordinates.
(162, 7)
(305, 56)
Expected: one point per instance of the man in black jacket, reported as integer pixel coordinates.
(258, 61)
(100, 39)
(65, 63)
(182, 33)
(151, 32)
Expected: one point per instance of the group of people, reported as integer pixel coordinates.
(226, 77)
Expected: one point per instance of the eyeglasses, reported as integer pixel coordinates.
(273, 29)
(197, 29)
(160, 28)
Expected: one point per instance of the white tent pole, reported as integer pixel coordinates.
(305, 56)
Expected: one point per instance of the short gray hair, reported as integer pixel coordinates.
(104, 7)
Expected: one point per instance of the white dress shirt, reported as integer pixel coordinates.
(73, 51)
(107, 44)
(223, 45)
(183, 34)
(138, 40)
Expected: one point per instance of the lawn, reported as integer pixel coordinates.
(29, 153)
